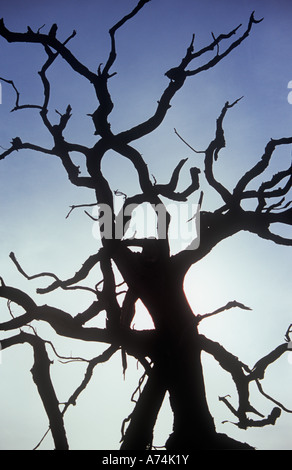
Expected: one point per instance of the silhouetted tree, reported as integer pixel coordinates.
(170, 353)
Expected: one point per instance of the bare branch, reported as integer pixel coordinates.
(100, 115)
(185, 142)
(137, 343)
(269, 420)
(287, 334)
(17, 105)
(109, 293)
(51, 41)
(17, 296)
(72, 170)
(113, 30)
(237, 369)
(168, 190)
(7, 152)
(178, 76)
(261, 166)
(258, 371)
(128, 309)
(46, 86)
(139, 434)
(228, 306)
(278, 239)
(88, 265)
(218, 57)
(212, 153)
(76, 206)
(136, 158)
(104, 357)
(41, 376)
(280, 405)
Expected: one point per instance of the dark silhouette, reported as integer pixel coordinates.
(170, 353)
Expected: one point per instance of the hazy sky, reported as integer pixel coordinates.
(35, 195)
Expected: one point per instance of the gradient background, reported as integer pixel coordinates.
(35, 196)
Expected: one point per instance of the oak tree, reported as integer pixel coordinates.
(151, 273)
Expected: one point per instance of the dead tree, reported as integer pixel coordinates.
(170, 353)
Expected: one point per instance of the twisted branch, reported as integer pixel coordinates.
(41, 376)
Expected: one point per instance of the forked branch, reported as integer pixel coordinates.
(81, 274)
(243, 376)
(41, 376)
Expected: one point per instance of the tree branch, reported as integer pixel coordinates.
(212, 153)
(258, 371)
(229, 305)
(280, 405)
(260, 166)
(104, 357)
(81, 274)
(17, 105)
(177, 77)
(231, 364)
(113, 30)
(219, 57)
(71, 169)
(168, 190)
(243, 376)
(135, 342)
(188, 145)
(41, 376)
(139, 434)
(51, 41)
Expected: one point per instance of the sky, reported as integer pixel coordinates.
(35, 197)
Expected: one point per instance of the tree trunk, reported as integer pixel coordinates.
(139, 434)
(177, 359)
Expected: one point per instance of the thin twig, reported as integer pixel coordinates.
(39, 443)
(185, 142)
(270, 398)
(229, 305)
(76, 206)
(17, 106)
